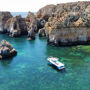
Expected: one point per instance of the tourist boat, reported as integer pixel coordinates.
(54, 61)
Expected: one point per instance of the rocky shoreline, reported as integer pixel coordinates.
(62, 24)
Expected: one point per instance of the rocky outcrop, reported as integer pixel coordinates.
(6, 50)
(42, 32)
(34, 24)
(31, 33)
(69, 24)
(63, 24)
(40, 23)
(31, 22)
(16, 26)
(4, 16)
(46, 12)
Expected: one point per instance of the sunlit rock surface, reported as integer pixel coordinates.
(6, 50)
(69, 24)
(4, 16)
(16, 26)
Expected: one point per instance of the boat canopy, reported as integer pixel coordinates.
(53, 58)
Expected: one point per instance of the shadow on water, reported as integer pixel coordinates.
(42, 38)
(61, 71)
(31, 41)
(6, 62)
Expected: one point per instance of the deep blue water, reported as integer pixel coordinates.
(29, 70)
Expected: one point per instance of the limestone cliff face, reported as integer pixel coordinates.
(69, 24)
(31, 19)
(33, 24)
(46, 12)
(63, 24)
(4, 16)
(16, 26)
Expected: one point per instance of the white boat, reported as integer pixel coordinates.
(54, 61)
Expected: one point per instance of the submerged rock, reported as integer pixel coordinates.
(31, 21)
(6, 50)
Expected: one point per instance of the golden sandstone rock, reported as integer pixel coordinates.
(69, 22)
(6, 50)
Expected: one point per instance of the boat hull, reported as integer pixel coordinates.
(59, 68)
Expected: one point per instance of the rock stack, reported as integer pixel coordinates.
(16, 26)
(6, 50)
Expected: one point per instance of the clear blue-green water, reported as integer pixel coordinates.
(29, 70)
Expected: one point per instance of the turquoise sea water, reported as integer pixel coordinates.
(29, 70)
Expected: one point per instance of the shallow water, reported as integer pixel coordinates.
(29, 70)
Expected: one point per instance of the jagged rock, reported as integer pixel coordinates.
(16, 26)
(4, 16)
(70, 24)
(41, 23)
(42, 32)
(30, 17)
(46, 12)
(34, 24)
(31, 20)
(6, 50)
(31, 33)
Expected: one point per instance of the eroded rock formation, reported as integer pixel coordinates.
(4, 16)
(46, 12)
(6, 50)
(31, 22)
(69, 24)
(42, 32)
(63, 24)
(16, 26)
(34, 24)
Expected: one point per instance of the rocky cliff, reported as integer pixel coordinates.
(68, 24)
(46, 12)
(4, 16)
(34, 24)
(63, 24)
(16, 26)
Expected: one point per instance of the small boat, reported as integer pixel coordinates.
(54, 61)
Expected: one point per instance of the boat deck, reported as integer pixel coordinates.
(55, 62)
